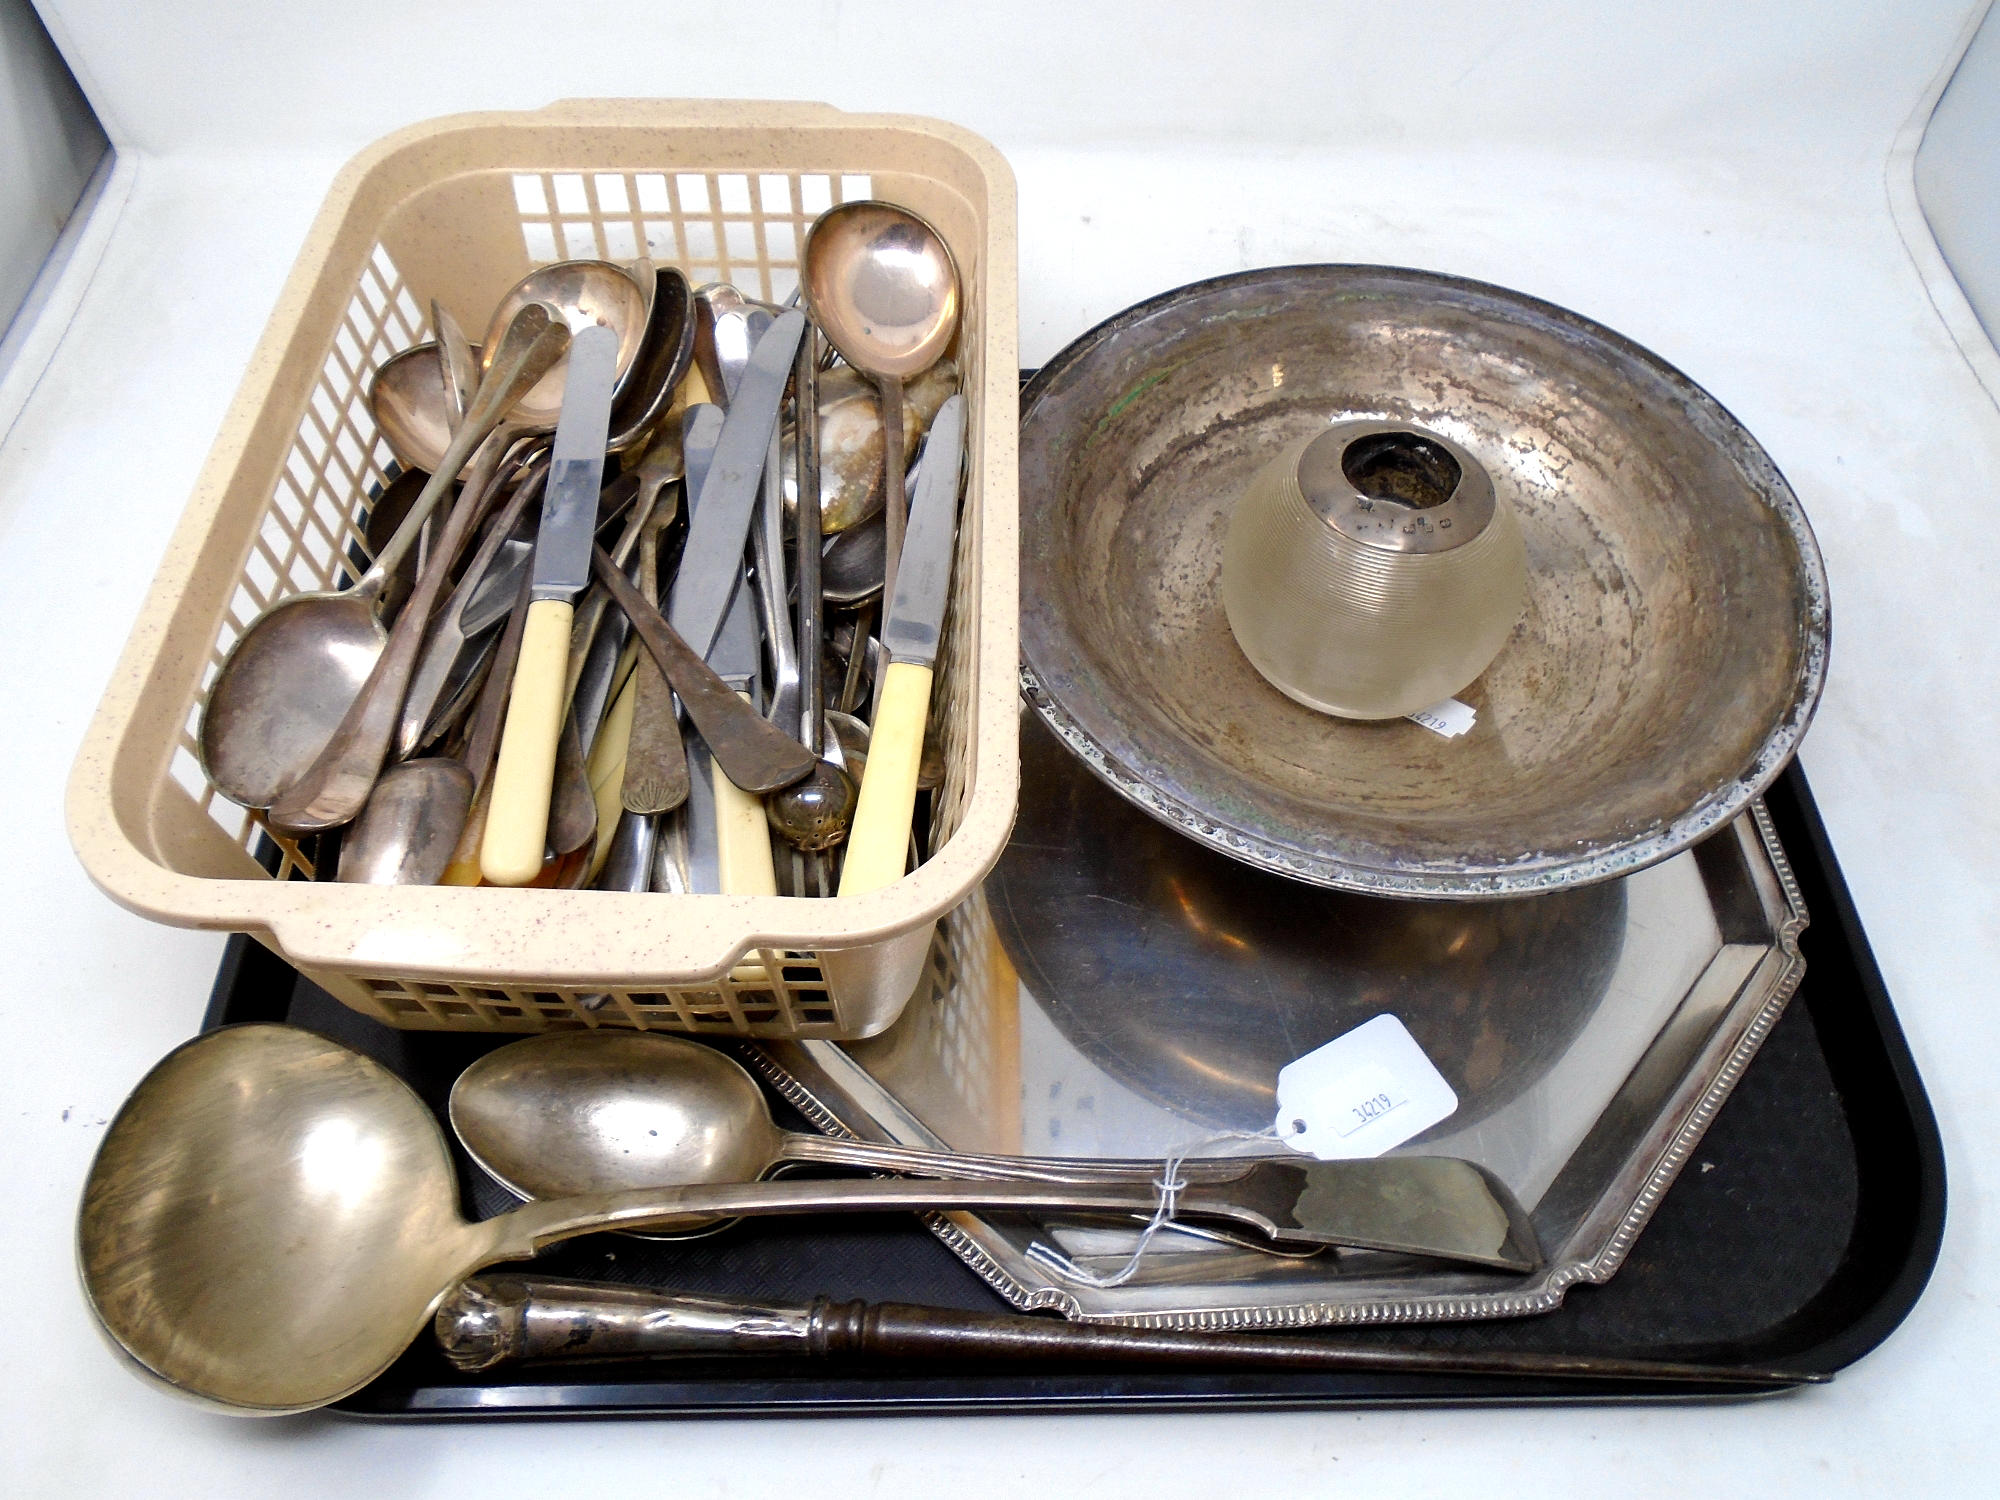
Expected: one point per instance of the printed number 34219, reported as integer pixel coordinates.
(1371, 1108)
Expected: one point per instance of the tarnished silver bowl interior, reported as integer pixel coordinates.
(1668, 661)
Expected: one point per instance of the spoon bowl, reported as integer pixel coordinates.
(283, 691)
(583, 294)
(666, 354)
(411, 404)
(598, 1111)
(882, 286)
(408, 830)
(850, 570)
(307, 1180)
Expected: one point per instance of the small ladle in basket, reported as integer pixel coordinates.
(883, 288)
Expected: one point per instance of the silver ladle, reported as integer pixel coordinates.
(882, 287)
(272, 1218)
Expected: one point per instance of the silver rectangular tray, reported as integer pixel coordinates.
(1117, 990)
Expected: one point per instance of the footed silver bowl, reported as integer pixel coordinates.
(1669, 658)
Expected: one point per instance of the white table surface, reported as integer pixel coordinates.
(1720, 186)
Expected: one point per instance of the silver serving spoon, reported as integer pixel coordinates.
(571, 1112)
(271, 1218)
(851, 566)
(292, 676)
(335, 787)
(605, 1111)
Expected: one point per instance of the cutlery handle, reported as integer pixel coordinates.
(879, 841)
(759, 754)
(919, 1162)
(492, 1320)
(523, 1232)
(517, 822)
(742, 839)
(609, 756)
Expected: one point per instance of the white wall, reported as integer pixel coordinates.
(1958, 174)
(49, 144)
(1692, 78)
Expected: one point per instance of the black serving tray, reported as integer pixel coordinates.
(1798, 1237)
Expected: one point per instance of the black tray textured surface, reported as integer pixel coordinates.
(1798, 1237)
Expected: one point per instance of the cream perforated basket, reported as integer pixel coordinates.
(459, 209)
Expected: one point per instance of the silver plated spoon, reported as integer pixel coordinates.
(291, 677)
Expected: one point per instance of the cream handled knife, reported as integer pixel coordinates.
(878, 842)
(742, 833)
(517, 823)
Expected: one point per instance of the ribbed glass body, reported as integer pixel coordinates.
(1358, 630)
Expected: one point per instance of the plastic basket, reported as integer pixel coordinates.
(459, 209)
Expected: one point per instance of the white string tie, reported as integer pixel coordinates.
(1170, 1184)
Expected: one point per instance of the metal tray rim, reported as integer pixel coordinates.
(1749, 1017)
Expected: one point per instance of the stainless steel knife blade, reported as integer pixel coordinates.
(576, 467)
(719, 525)
(701, 426)
(698, 447)
(923, 576)
(736, 654)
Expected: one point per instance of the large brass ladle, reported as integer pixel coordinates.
(272, 1218)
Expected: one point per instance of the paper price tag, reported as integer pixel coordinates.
(1449, 718)
(1361, 1094)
